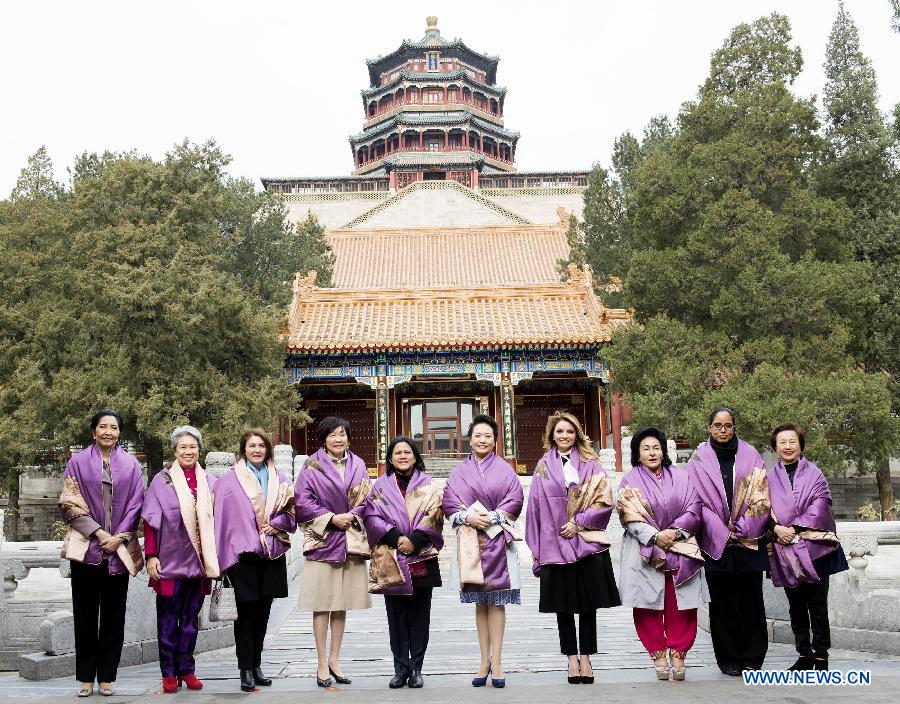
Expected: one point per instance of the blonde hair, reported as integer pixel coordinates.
(582, 441)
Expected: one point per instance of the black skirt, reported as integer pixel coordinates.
(254, 577)
(585, 585)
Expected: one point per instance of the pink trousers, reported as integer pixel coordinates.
(669, 628)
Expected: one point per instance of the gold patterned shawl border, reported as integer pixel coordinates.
(633, 507)
(384, 569)
(754, 489)
(428, 500)
(594, 492)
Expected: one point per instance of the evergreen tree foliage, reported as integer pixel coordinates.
(120, 290)
(264, 249)
(745, 283)
(860, 168)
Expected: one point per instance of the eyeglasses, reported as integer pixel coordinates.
(723, 426)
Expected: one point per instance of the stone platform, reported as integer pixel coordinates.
(533, 666)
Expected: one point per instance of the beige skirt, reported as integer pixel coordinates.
(325, 586)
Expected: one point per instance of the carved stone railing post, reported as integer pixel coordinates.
(218, 463)
(857, 546)
(284, 460)
(12, 570)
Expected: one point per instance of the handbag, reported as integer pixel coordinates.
(222, 602)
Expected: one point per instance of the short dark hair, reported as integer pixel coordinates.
(328, 425)
(801, 434)
(389, 466)
(264, 436)
(95, 419)
(480, 419)
(721, 409)
(649, 432)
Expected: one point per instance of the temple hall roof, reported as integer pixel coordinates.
(341, 320)
(444, 256)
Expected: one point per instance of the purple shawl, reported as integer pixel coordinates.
(320, 492)
(670, 501)
(387, 508)
(551, 504)
(750, 515)
(237, 527)
(807, 507)
(162, 512)
(83, 475)
(498, 489)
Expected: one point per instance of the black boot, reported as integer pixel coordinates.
(804, 662)
(260, 678)
(398, 680)
(415, 680)
(821, 661)
(247, 684)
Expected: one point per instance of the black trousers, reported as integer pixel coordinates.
(409, 622)
(100, 596)
(808, 607)
(250, 631)
(587, 633)
(737, 619)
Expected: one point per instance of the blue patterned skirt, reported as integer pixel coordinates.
(499, 597)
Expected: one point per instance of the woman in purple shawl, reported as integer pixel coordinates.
(569, 506)
(180, 549)
(404, 519)
(331, 489)
(661, 568)
(255, 515)
(103, 490)
(806, 549)
(483, 499)
(730, 477)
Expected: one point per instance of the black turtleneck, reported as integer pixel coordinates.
(791, 470)
(403, 480)
(725, 453)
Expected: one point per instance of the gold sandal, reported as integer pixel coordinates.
(677, 672)
(662, 672)
(86, 689)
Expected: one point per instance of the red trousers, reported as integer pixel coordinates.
(668, 628)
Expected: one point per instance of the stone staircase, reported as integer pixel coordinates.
(440, 467)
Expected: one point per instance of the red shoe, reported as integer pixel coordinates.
(170, 685)
(190, 681)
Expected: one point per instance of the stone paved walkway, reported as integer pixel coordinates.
(534, 667)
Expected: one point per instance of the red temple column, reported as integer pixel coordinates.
(474, 178)
(617, 429)
(601, 393)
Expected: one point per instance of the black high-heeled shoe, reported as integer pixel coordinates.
(327, 682)
(588, 679)
(340, 679)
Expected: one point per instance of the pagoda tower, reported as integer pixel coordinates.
(433, 111)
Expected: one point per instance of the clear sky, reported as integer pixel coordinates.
(276, 84)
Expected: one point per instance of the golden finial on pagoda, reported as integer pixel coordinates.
(431, 21)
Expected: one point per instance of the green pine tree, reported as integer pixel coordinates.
(860, 167)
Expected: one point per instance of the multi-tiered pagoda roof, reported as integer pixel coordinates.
(433, 111)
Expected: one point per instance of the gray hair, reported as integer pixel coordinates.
(183, 430)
